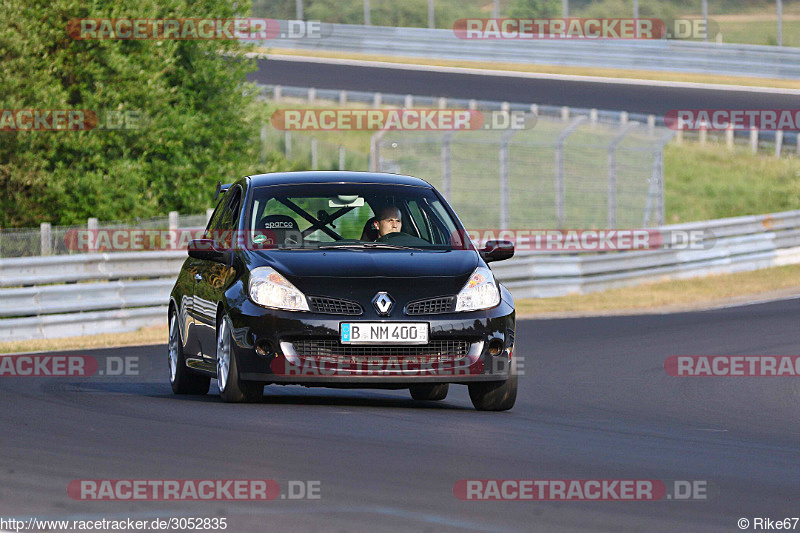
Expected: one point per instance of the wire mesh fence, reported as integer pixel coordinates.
(582, 172)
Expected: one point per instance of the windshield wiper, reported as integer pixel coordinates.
(368, 245)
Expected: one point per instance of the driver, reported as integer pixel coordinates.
(389, 220)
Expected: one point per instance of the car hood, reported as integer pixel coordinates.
(368, 263)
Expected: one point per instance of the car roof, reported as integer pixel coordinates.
(335, 176)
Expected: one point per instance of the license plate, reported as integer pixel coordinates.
(384, 333)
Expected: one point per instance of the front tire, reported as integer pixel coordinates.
(231, 388)
(182, 380)
(432, 392)
(494, 395)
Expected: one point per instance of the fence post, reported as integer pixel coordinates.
(593, 116)
(375, 151)
(778, 142)
(287, 144)
(263, 144)
(46, 240)
(431, 20)
(754, 140)
(565, 113)
(446, 183)
(173, 229)
(729, 136)
(504, 192)
(560, 140)
(377, 100)
(341, 157)
(276, 93)
(299, 9)
(679, 132)
(342, 98)
(651, 125)
(409, 103)
(92, 226)
(313, 153)
(367, 21)
(442, 102)
(473, 104)
(623, 118)
(535, 109)
(611, 219)
(312, 95)
(703, 133)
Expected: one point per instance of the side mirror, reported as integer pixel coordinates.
(205, 249)
(497, 251)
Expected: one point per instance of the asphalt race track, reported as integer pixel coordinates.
(595, 403)
(585, 94)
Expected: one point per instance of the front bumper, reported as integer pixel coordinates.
(266, 341)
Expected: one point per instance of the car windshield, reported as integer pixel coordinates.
(350, 216)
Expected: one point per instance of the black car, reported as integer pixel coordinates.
(341, 279)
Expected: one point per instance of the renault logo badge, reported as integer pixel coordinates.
(383, 303)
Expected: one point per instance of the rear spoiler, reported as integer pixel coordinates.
(221, 189)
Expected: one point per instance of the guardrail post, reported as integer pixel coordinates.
(312, 95)
(46, 240)
(276, 93)
(565, 113)
(442, 102)
(377, 100)
(535, 109)
(623, 118)
(593, 117)
(409, 103)
(729, 137)
(778, 142)
(341, 157)
(703, 133)
(560, 140)
(342, 98)
(446, 184)
(313, 153)
(679, 132)
(473, 104)
(611, 219)
(754, 140)
(92, 226)
(651, 125)
(287, 144)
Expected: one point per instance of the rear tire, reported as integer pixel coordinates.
(494, 395)
(183, 380)
(231, 388)
(432, 392)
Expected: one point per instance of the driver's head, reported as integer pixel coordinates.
(388, 220)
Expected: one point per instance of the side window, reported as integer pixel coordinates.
(225, 218)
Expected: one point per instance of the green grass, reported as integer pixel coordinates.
(760, 32)
(706, 183)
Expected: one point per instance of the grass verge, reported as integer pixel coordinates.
(141, 337)
(674, 295)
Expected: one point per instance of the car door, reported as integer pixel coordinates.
(211, 276)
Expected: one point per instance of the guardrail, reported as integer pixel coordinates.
(665, 55)
(49, 297)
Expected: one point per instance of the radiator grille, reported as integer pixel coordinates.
(334, 306)
(436, 350)
(432, 306)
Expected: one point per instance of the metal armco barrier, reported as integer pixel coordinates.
(50, 297)
(666, 55)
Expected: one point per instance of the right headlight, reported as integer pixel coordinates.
(270, 289)
(480, 292)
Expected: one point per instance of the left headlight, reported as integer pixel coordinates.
(480, 292)
(270, 289)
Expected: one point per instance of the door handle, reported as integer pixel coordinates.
(198, 277)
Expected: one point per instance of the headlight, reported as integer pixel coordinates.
(270, 289)
(480, 292)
